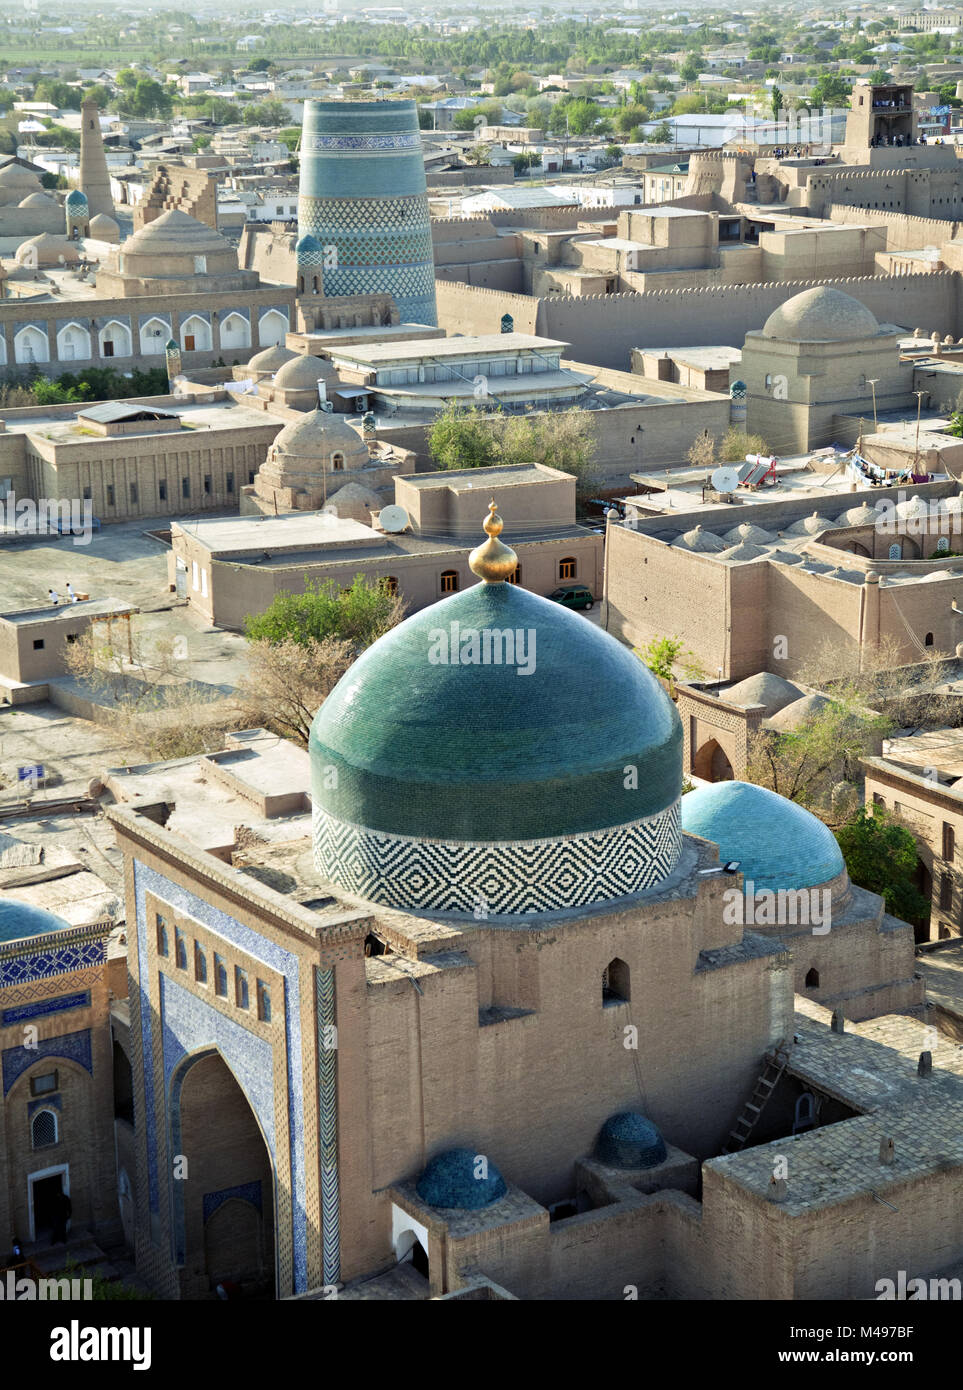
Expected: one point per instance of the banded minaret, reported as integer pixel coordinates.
(94, 178)
(363, 197)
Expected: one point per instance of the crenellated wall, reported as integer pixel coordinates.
(604, 329)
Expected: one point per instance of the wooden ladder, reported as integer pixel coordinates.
(774, 1064)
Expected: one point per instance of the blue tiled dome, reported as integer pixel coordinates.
(18, 920)
(449, 1181)
(778, 844)
(630, 1140)
(307, 243)
(75, 199)
(473, 752)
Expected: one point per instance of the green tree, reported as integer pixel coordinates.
(881, 856)
(468, 437)
(59, 94)
(629, 117)
(830, 90)
(776, 101)
(666, 657)
(689, 70)
(462, 437)
(736, 444)
(358, 615)
(804, 764)
(662, 135)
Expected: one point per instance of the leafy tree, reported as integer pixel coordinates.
(805, 764)
(273, 112)
(776, 101)
(629, 117)
(525, 161)
(736, 444)
(358, 615)
(830, 90)
(664, 656)
(462, 438)
(662, 135)
(472, 438)
(100, 94)
(585, 117)
(689, 70)
(467, 119)
(881, 856)
(59, 94)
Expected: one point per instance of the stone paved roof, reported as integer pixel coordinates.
(872, 1067)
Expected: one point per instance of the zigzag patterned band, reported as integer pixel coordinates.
(497, 880)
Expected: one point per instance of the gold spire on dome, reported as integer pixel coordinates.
(493, 562)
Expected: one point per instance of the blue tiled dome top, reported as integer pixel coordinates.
(18, 920)
(482, 753)
(630, 1140)
(307, 243)
(75, 199)
(452, 1180)
(778, 844)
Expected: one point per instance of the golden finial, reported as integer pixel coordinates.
(493, 562)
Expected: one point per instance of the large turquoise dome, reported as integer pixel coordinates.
(778, 844)
(18, 920)
(552, 781)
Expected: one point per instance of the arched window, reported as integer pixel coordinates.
(566, 568)
(44, 1129)
(812, 978)
(449, 581)
(928, 640)
(200, 964)
(516, 575)
(180, 949)
(615, 982)
(337, 462)
(163, 948)
(390, 584)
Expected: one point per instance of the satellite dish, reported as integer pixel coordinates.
(393, 519)
(725, 479)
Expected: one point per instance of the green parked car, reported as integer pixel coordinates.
(573, 596)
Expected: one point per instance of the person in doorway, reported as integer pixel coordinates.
(62, 1209)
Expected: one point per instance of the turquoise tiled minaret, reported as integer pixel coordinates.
(363, 197)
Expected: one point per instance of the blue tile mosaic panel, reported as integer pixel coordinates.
(58, 1005)
(73, 1047)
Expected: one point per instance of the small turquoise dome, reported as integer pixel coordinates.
(428, 742)
(75, 199)
(307, 245)
(18, 920)
(450, 1181)
(778, 844)
(630, 1140)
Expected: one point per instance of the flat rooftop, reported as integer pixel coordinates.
(872, 1067)
(309, 530)
(369, 330)
(206, 415)
(716, 356)
(452, 347)
(83, 608)
(483, 479)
